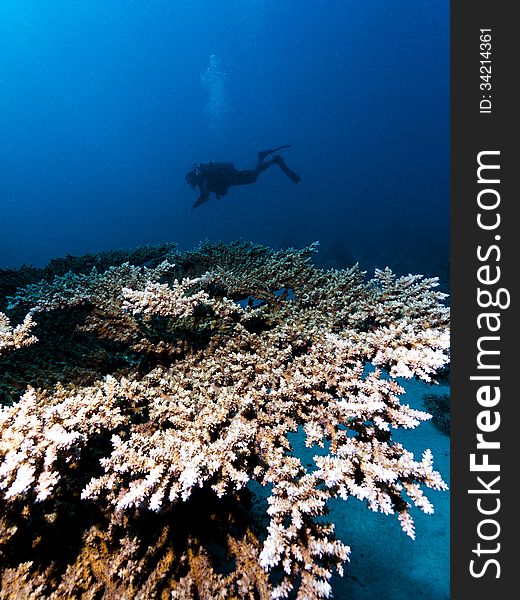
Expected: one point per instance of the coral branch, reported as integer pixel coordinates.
(12, 338)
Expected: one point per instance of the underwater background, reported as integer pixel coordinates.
(105, 106)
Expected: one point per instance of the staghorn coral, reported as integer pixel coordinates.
(16, 337)
(228, 350)
(11, 279)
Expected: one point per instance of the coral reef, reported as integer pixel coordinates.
(11, 279)
(159, 397)
(16, 337)
(439, 407)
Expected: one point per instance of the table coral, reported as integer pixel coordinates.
(144, 471)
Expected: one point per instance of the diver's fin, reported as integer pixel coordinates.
(291, 174)
(281, 147)
(264, 153)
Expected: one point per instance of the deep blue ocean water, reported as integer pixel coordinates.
(104, 106)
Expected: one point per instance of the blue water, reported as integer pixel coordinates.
(103, 109)
(104, 106)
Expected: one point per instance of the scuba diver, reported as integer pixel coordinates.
(219, 177)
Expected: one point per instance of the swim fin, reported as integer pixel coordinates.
(264, 153)
(291, 174)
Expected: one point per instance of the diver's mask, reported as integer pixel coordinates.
(193, 176)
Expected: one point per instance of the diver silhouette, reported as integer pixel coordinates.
(219, 177)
